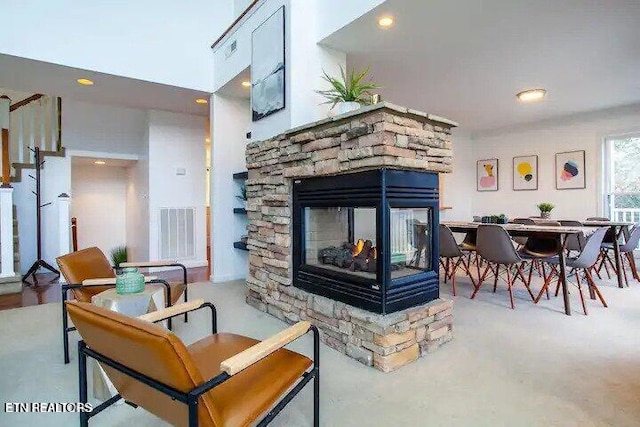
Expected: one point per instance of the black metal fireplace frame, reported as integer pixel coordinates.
(381, 189)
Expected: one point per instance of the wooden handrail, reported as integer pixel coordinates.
(59, 134)
(74, 233)
(6, 163)
(234, 23)
(25, 101)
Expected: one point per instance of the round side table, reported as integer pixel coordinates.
(150, 299)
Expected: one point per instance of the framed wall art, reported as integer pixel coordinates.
(570, 170)
(525, 173)
(268, 86)
(487, 175)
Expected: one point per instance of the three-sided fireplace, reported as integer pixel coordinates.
(368, 239)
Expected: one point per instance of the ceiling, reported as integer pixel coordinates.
(234, 87)
(466, 59)
(26, 75)
(109, 162)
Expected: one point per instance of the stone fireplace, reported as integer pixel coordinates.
(343, 219)
(367, 238)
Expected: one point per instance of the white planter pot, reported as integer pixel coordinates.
(345, 107)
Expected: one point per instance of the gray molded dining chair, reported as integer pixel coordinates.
(494, 246)
(583, 262)
(521, 240)
(537, 249)
(575, 242)
(452, 257)
(626, 254)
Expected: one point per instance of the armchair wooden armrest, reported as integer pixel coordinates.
(175, 310)
(112, 281)
(142, 264)
(257, 352)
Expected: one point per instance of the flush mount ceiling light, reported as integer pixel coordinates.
(385, 22)
(100, 162)
(246, 84)
(201, 101)
(531, 95)
(85, 82)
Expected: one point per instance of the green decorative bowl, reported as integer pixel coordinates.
(130, 281)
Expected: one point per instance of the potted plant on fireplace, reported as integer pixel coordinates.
(349, 91)
(545, 209)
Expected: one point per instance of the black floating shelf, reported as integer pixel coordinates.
(241, 175)
(241, 211)
(240, 245)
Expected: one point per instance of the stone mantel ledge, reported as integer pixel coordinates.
(351, 115)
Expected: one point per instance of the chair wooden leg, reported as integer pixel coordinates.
(453, 276)
(606, 268)
(481, 278)
(446, 269)
(595, 287)
(584, 304)
(624, 271)
(545, 286)
(527, 285)
(510, 286)
(632, 264)
(495, 280)
(592, 294)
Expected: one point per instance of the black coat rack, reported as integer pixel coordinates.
(39, 262)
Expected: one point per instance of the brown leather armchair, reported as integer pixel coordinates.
(88, 272)
(221, 380)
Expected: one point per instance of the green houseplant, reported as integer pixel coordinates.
(545, 209)
(349, 91)
(118, 255)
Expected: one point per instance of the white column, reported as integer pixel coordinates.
(64, 224)
(6, 232)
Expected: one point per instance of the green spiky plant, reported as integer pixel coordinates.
(348, 88)
(243, 193)
(545, 207)
(118, 255)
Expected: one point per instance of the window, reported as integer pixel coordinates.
(622, 178)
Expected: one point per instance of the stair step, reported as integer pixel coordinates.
(19, 166)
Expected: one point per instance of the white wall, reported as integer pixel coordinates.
(335, 14)
(579, 133)
(230, 118)
(455, 185)
(103, 128)
(99, 204)
(138, 206)
(56, 179)
(177, 141)
(161, 41)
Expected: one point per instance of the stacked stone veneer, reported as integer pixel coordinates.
(380, 136)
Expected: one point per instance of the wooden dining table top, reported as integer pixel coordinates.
(522, 228)
(607, 224)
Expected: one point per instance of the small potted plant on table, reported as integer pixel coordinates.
(348, 93)
(545, 209)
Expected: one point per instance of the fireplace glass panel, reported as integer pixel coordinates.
(411, 241)
(341, 239)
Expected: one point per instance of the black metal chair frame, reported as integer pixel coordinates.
(191, 397)
(65, 318)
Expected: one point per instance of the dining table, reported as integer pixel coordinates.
(617, 228)
(560, 233)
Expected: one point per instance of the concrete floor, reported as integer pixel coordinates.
(532, 366)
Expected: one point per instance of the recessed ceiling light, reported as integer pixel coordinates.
(531, 95)
(246, 83)
(385, 22)
(100, 162)
(201, 101)
(85, 82)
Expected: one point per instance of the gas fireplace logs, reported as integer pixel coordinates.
(344, 212)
